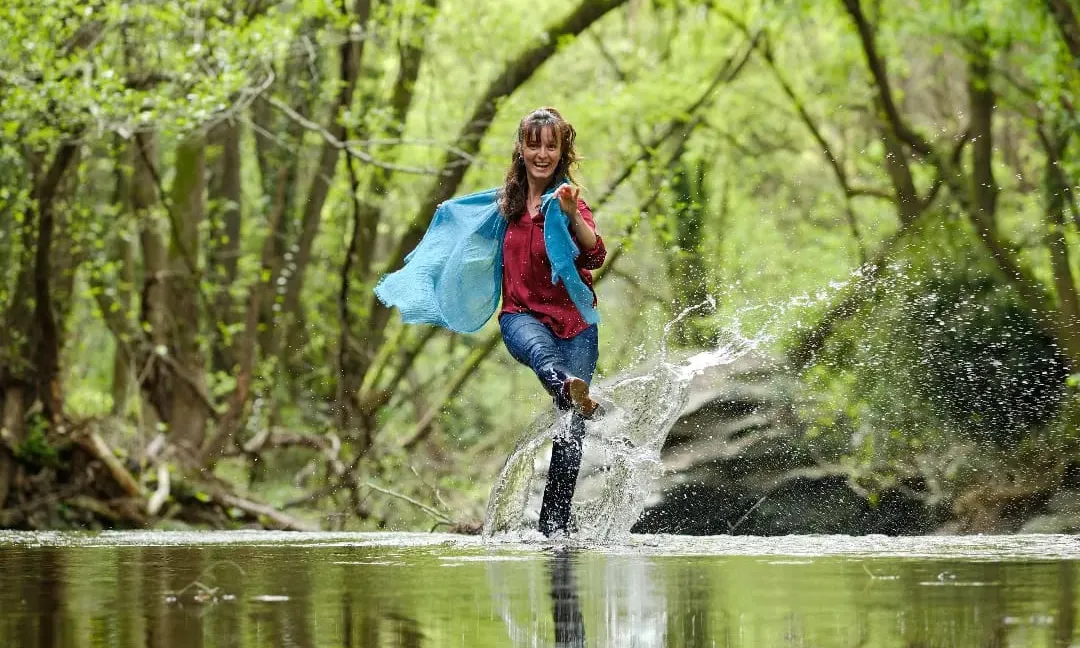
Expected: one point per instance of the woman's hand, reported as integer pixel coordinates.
(568, 201)
(568, 198)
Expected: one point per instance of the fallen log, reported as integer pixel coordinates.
(96, 446)
(258, 510)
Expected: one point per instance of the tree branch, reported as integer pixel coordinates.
(229, 425)
(802, 353)
(346, 373)
(981, 104)
(881, 78)
(420, 505)
(371, 400)
(333, 141)
(1064, 14)
(258, 509)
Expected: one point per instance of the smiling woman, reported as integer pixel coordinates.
(531, 245)
(540, 324)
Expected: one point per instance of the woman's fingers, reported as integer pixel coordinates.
(568, 193)
(568, 198)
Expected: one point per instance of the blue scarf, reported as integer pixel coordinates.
(453, 278)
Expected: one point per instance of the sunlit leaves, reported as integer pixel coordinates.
(122, 67)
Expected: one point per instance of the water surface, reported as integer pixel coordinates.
(247, 589)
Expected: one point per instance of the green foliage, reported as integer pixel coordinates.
(117, 67)
(979, 359)
(36, 449)
(941, 357)
(750, 209)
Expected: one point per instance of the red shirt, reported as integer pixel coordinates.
(526, 284)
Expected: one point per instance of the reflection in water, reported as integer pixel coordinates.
(311, 595)
(633, 605)
(566, 610)
(619, 600)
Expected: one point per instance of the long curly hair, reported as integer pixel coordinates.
(516, 186)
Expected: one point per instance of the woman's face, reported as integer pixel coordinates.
(541, 155)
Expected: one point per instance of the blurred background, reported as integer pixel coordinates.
(197, 198)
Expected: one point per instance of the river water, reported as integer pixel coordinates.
(255, 589)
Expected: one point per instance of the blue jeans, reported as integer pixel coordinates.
(553, 360)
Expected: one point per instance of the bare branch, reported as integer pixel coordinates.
(345, 146)
(871, 192)
(258, 510)
(47, 341)
(636, 285)
(420, 505)
(454, 385)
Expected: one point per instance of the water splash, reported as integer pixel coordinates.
(642, 405)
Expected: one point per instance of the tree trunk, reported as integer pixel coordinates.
(16, 366)
(46, 341)
(351, 55)
(12, 431)
(29, 335)
(897, 165)
(113, 291)
(224, 198)
(1055, 187)
(188, 407)
(229, 425)
(154, 307)
(123, 383)
(686, 265)
(981, 104)
(410, 56)
(279, 178)
(279, 148)
(349, 374)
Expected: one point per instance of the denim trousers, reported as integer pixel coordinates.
(553, 360)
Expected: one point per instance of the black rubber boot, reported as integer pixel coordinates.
(562, 478)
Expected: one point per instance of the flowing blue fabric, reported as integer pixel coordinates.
(453, 278)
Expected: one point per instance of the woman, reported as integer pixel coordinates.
(541, 326)
(529, 245)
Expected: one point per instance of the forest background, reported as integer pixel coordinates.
(197, 198)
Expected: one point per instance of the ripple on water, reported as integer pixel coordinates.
(996, 548)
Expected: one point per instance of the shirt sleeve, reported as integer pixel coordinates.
(594, 258)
